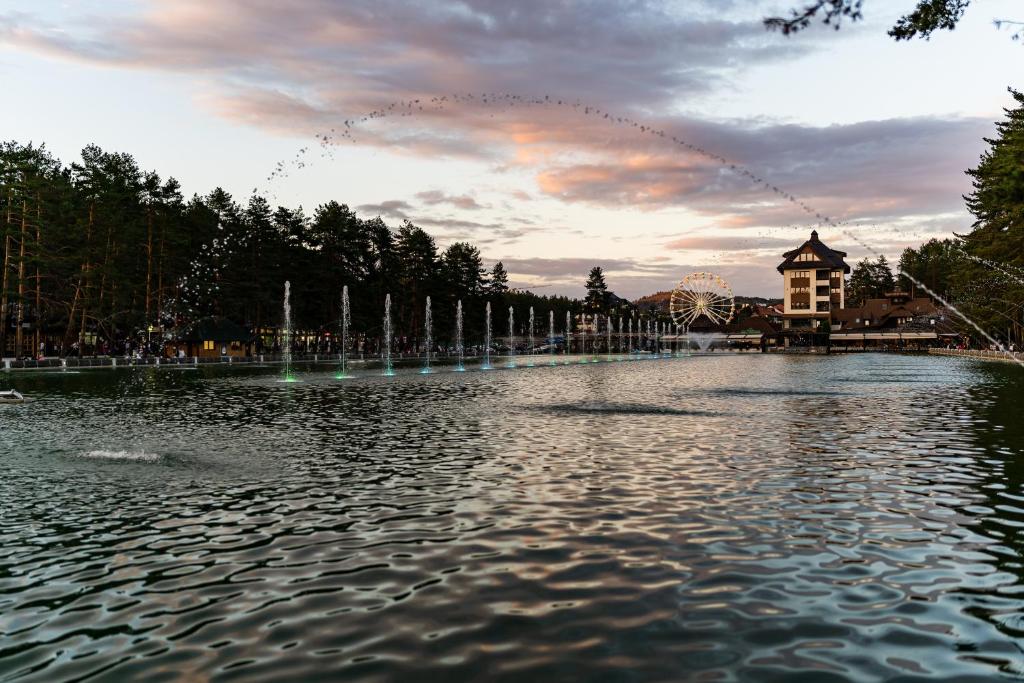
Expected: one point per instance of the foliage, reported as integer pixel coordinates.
(597, 291)
(927, 17)
(498, 283)
(101, 251)
(869, 280)
(982, 272)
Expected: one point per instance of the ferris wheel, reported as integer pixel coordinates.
(700, 294)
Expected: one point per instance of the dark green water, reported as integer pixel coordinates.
(710, 518)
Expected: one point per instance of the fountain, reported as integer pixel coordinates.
(629, 336)
(551, 335)
(704, 340)
(511, 338)
(583, 338)
(608, 330)
(529, 343)
(487, 340)
(385, 352)
(460, 351)
(568, 333)
(286, 332)
(428, 340)
(346, 321)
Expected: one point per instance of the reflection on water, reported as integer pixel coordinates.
(719, 517)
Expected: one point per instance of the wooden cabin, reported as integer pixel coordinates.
(213, 337)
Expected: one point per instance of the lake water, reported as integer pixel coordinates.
(719, 517)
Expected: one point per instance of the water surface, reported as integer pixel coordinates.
(717, 517)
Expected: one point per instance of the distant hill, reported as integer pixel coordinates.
(661, 301)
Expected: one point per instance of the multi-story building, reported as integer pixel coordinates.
(813, 285)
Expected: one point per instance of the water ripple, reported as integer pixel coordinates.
(711, 518)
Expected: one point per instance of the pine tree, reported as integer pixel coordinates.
(597, 291)
(498, 283)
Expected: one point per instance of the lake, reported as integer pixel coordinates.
(716, 517)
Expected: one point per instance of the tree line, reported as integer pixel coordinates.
(99, 253)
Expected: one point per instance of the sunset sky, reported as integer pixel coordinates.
(218, 93)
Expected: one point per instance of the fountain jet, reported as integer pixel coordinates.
(346, 322)
(385, 352)
(286, 333)
(487, 340)
(460, 352)
(428, 325)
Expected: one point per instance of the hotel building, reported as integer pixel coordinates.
(814, 285)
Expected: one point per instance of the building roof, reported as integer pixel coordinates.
(215, 329)
(881, 313)
(753, 324)
(830, 258)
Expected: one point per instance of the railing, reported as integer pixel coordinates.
(981, 354)
(114, 362)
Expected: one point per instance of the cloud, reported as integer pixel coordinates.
(580, 74)
(392, 208)
(313, 65)
(435, 197)
(730, 243)
(633, 278)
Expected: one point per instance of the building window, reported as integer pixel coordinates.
(822, 306)
(208, 345)
(822, 275)
(821, 290)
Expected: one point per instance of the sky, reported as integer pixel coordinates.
(498, 121)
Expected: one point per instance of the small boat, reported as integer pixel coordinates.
(11, 396)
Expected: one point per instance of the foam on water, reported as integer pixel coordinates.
(135, 456)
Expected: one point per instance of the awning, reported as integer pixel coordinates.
(881, 336)
(744, 337)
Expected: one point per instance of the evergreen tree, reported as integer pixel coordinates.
(597, 291)
(498, 283)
